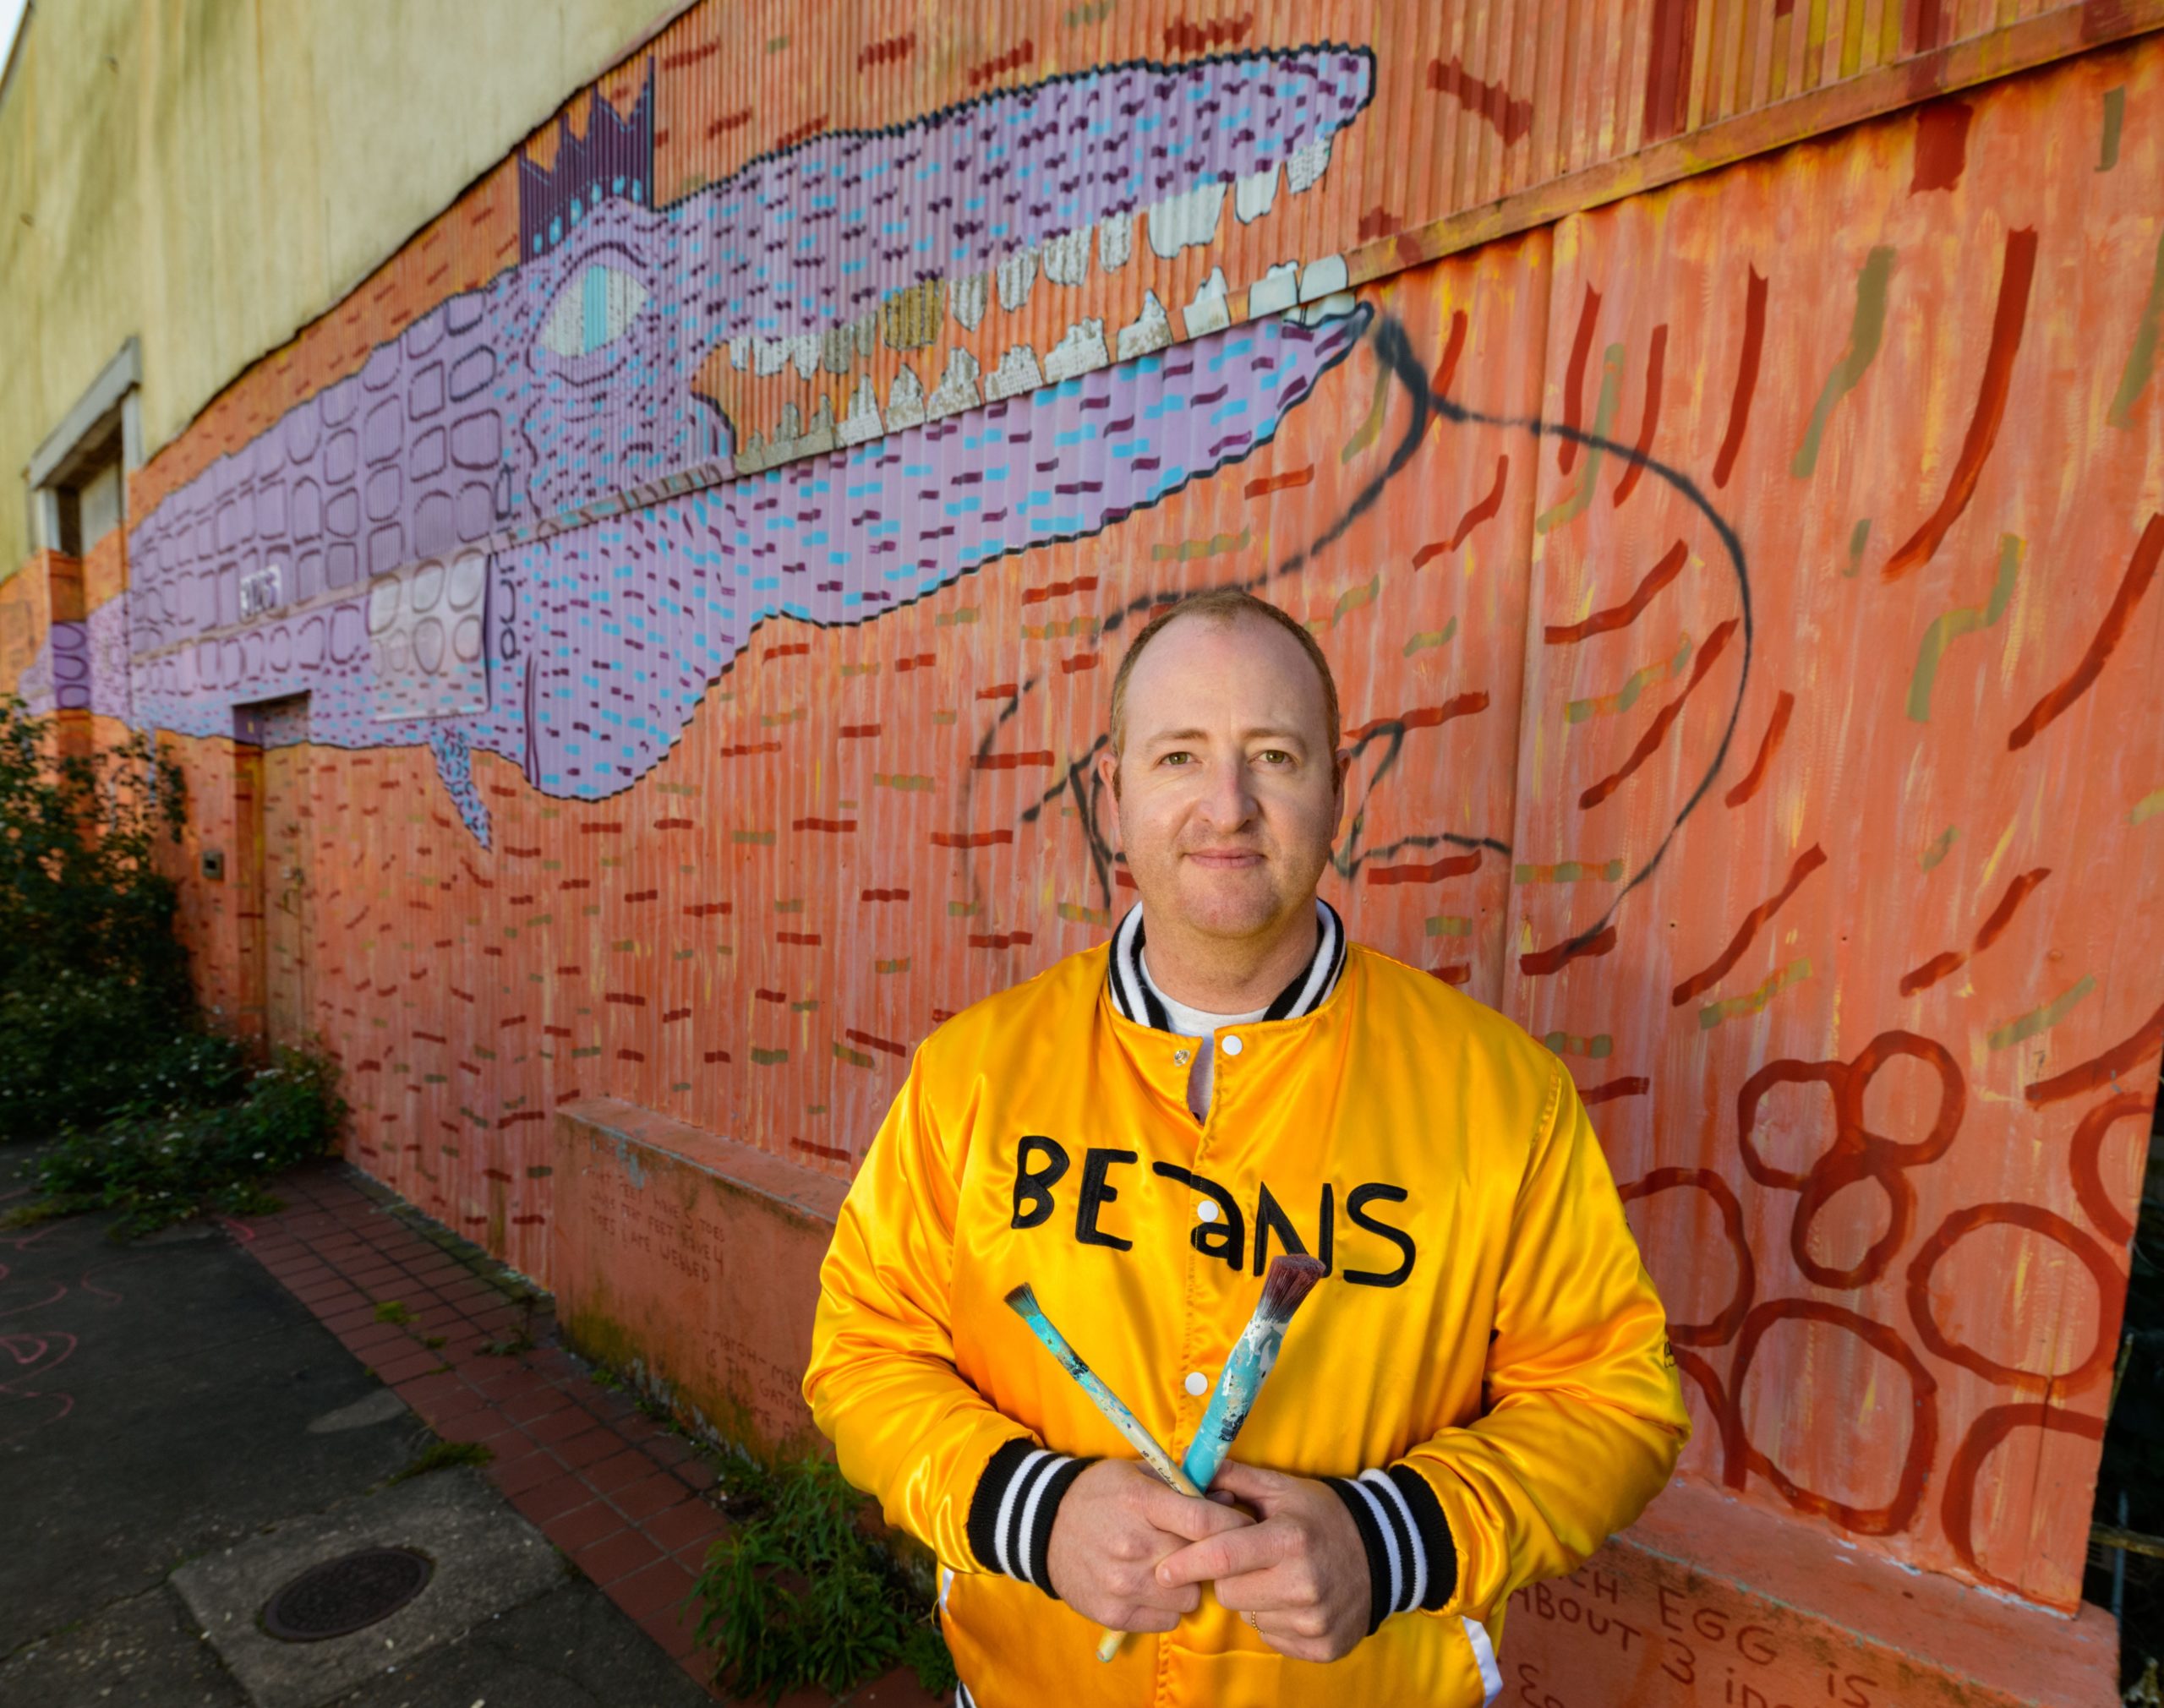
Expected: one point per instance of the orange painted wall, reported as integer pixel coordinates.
(1820, 850)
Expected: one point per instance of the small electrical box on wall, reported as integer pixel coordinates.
(214, 865)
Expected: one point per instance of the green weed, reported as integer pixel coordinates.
(800, 1590)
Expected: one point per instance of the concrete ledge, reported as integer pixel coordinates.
(691, 1263)
(1709, 1599)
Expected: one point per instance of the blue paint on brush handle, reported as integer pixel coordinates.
(1114, 1408)
(1231, 1399)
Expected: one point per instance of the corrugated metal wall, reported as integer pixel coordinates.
(704, 551)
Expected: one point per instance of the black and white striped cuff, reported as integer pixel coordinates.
(1011, 1512)
(1411, 1561)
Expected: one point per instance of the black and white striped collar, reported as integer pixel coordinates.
(1135, 999)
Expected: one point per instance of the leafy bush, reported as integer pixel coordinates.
(96, 1011)
(163, 1166)
(801, 1591)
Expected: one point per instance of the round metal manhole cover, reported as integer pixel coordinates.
(347, 1595)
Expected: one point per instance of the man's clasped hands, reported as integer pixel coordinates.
(1131, 1553)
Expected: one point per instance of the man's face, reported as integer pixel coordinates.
(1228, 795)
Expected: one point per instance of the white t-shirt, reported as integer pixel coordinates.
(1194, 1022)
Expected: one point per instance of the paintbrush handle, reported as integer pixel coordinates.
(1252, 1360)
(1118, 1414)
(1114, 1408)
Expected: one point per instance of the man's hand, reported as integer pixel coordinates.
(1301, 1576)
(1115, 1525)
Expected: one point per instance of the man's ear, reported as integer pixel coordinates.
(1341, 767)
(1108, 774)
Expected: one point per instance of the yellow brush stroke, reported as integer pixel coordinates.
(1752, 1002)
(2147, 807)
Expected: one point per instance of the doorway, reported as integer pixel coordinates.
(271, 742)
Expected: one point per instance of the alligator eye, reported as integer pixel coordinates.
(592, 310)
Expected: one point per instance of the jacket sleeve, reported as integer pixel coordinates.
(1584, 1419)
(972, 1485)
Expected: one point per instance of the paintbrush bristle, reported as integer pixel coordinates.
(1023, 1300)
(1290, 1280)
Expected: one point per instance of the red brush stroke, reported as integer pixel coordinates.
(1777, 728)
(1921, 26)
(1656, 368)
(2084, 1162)
(1746, 377)
(1511, 116)
(1574, 379)
(1941, 152)
(2002, 915)
(2016, 273)
(1280, 482)
(2100, 1070)
(970, 838)
(1957, 1511)
(1487, 510)
(1716, 644)
(2140, 572)
(1456, 866)
(1424, 717)
(1670, 42)
(1538, 963)
(1806, 862)
(1938, 966)
(1446, 370)
(1631, 1085)
(1454, 972)
(1623, 615)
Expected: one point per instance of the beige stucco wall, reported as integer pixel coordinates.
(210, 175)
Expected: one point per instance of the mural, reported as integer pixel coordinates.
(1741, 595)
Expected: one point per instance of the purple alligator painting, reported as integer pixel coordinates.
(519, 527)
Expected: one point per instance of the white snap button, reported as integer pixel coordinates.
(1179, 1058)
(1198, 1385)
(1206, 1210)
(1229, 1044)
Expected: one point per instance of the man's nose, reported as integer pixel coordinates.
(1230, 800)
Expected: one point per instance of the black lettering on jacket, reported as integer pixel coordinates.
(1097, 1191)
(1356, 1203)
(1225, 1238)
(1270, 1219)
(1033, 1185)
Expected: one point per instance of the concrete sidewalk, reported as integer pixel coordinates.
(186, 1421)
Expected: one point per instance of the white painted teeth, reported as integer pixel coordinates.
(1115, 240)
(1277, 289)
(1017, 374)
(1327, 308)
(804, 349)
(768, 356)
(861, 425)
(968, 298)
(1186, 219)
(1149, 331)
(1255, 194)
(905, 400)
(1307, 164)
(1081, 350)
(1018, 275)
(1066, 258)
(740, 353)
(1209, 312)
(1322, 278)
(957, 390)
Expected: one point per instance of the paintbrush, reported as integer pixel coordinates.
(1253, 1356)
(1022, 1301)
(1290, 1280)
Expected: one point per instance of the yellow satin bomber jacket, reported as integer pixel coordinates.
(1487, 1325)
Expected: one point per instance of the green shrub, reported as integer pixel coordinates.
(96, 1011)
(800, 1590)
(160, 1166)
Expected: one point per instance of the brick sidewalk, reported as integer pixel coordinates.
(625, 1497)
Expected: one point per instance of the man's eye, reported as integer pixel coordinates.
(1275, 755)
(1176, 758)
